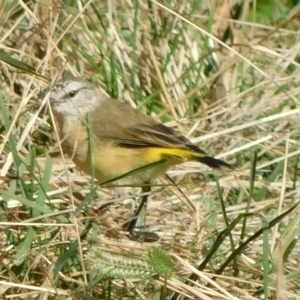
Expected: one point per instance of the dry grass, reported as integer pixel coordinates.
(155, 56)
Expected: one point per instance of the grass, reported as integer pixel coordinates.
(227, 76)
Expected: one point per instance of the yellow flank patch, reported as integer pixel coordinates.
(155, 154)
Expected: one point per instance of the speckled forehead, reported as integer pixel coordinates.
(60, 85)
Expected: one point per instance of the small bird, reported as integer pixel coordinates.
(123, 138)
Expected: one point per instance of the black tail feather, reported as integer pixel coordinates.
(214, 162)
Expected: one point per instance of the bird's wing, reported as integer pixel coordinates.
(156, 135)
(134, 129)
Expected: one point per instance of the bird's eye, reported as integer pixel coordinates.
(72, 93)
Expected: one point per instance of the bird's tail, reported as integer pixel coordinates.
(157, 153)
(213, 162)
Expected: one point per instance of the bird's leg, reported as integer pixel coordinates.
(132, 225)
(141, 235)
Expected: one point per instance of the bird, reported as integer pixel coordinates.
(117, 142)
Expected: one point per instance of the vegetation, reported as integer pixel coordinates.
(224, 73)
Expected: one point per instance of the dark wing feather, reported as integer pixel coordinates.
(157, 135)
(134, 129)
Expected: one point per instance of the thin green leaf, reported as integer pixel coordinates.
(23, 250)
(18, 64)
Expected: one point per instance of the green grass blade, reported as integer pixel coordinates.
(18, 64)
(23, 250)
(44, 187)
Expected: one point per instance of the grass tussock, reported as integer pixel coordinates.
(224, 73)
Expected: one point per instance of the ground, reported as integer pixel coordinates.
(223, 73)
